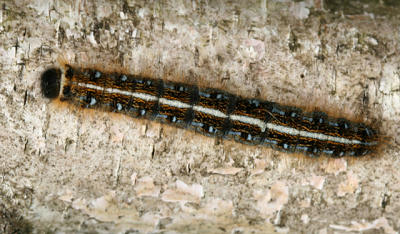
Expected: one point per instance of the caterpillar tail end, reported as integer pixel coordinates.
(51, 83)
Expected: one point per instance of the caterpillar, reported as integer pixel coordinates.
(211, 112)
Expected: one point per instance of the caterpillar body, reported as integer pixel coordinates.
(211, 112)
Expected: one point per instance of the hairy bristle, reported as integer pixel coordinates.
(50, 83)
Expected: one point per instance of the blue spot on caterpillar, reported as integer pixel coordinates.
(211, 112)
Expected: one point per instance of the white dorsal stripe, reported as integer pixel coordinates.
(319, 136)
(174, 103)
(89, 86)
(144, 96)
(210, 111)
(242, 118)
(250, 120)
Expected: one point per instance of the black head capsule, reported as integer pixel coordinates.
(50, 83)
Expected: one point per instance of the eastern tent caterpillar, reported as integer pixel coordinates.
(211, 112)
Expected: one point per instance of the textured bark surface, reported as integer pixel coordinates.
(64, 169)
